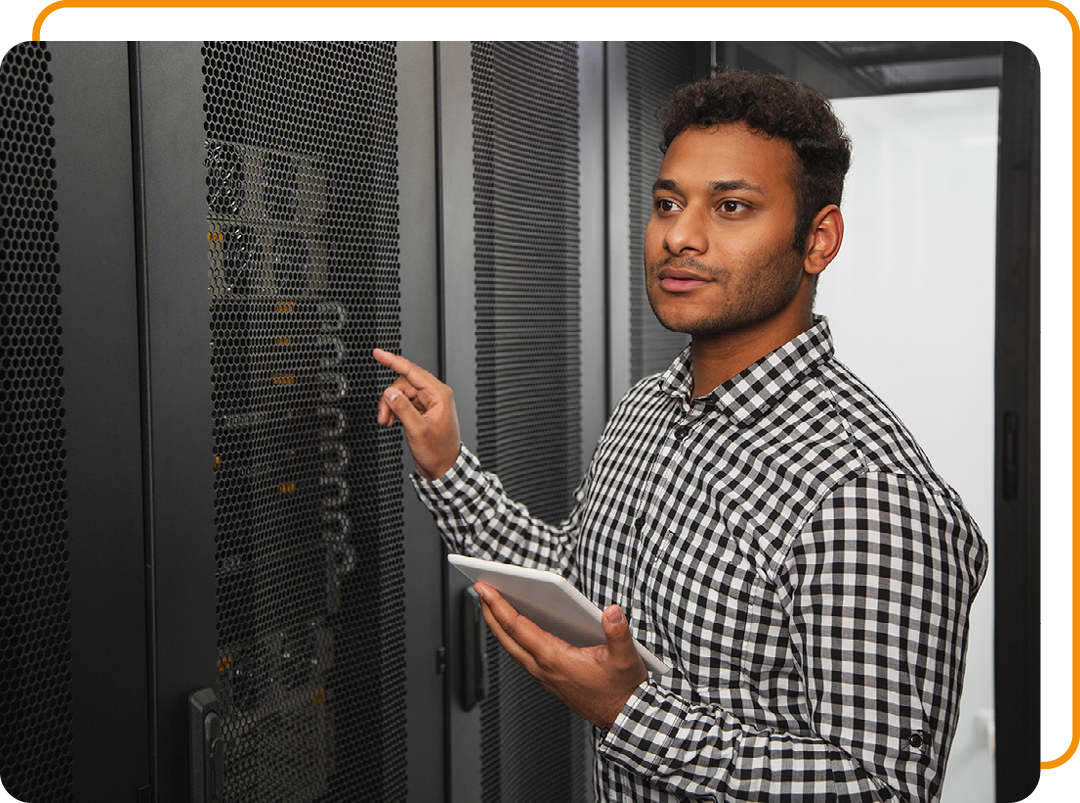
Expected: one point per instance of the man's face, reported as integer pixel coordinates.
(718, 253)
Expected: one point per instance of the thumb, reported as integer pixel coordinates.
(619, 641)
(401, 406)
(433, 451)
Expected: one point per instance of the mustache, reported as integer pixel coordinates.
(689, 263)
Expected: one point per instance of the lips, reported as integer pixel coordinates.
(679, 280)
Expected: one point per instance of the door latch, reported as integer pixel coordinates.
(207, 747)
(473, 650)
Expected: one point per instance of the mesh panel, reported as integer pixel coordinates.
(35, 737)
(303, 248)
(654, 69)
(526, 162)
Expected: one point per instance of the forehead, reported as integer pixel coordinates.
(703, 157)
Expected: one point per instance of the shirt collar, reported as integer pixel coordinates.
(753, 391)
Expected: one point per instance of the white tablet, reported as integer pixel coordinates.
(548, 600)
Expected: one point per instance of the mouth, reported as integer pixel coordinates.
(679, 280)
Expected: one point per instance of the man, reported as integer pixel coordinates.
(754, 515)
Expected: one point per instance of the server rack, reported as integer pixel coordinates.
(513, 122)
(74, 660)
(219, 513)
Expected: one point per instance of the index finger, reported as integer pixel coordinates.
(417, 376)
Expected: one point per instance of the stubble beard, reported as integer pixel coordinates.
(775, 282)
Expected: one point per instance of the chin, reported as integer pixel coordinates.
(686, 321)
(687, 326)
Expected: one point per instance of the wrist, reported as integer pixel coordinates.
(432, 471)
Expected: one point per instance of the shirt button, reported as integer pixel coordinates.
(682, 431)
(640, 523)
(915, 740)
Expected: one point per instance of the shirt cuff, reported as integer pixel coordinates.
(640, 736)
(454, 490)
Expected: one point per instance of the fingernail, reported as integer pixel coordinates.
(392, 394)
(481, 591)
(615, 616)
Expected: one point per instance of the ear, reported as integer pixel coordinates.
(823, 242)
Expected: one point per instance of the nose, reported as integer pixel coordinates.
(686, 234)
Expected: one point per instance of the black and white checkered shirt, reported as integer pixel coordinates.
(787, 547)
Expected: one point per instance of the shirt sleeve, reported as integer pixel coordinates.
(476, 517)
(877, 587)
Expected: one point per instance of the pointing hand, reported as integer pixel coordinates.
(425, 408)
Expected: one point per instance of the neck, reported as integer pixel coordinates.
(716, 358)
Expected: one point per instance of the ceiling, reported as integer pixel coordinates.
(892, 67)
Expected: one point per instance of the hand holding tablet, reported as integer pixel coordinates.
(549, 601)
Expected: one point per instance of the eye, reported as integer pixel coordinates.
(666, 205)
(732, 207)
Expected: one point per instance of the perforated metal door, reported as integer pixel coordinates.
(303, 262)
(528, 367)
(35, 662)
(72, 614)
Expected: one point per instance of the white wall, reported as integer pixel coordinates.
(910, 300)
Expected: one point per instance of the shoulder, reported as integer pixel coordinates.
(834, 409)
(657, 389)
(893, 529)
(835, 455)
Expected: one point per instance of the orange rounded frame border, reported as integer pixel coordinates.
(1070, 759)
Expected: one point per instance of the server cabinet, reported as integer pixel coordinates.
(425, 566)
(208, 243)
(1017, 510)
(549, 151)
(74, 662)
(300, 240)
(511, 138)
(640, 76)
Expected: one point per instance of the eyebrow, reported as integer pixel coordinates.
(715, 186)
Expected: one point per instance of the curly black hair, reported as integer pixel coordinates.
(774, 106)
